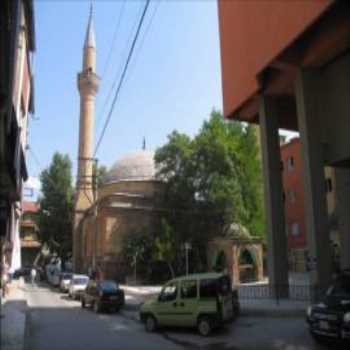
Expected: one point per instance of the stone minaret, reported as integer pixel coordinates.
(88, 83)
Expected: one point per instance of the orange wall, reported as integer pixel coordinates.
(293, 180)
(252, 34)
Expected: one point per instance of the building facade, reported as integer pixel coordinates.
(293, 195)
(126, 206)
(29, 234)
(17, 44)
(290, 71)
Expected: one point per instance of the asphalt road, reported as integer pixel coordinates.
(55, 322)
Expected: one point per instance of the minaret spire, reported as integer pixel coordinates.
(88, 83)
(90, 40)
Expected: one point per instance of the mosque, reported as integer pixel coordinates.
(126, 201)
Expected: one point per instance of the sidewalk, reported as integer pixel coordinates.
(13, 318)
(135, 296)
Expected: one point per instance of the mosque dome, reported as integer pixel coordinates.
(135, 166)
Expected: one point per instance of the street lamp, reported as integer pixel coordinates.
(187, 247)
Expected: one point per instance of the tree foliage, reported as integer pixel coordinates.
(137, 249)
(56, 204)
(211, 181)
(163, 248)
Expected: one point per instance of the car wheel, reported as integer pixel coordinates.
(318, 338)
(204, 326)
(150, 323)
(83, 303)
(97, 307)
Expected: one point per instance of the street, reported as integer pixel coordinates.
(56, 322)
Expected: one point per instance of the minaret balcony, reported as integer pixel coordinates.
(88, 82)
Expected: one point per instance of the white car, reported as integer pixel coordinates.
(65, 281)
(77, 285)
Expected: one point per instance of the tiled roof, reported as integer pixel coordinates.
(32, 207)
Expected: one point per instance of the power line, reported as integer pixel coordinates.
(115, 35)
(122, 76)
(118, 73)
(143, 39)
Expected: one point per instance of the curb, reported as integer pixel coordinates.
(130, 309)
(273, 313)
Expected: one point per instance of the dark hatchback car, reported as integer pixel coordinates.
(331, 318)
(102, 295)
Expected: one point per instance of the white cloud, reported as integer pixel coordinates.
(33, 182)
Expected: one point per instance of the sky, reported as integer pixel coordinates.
(174, 80)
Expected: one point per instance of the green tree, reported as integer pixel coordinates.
(164, 245)
(56, 204)
(211, 181)
(137, 250)
(252, 187)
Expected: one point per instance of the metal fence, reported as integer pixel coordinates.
(296, 292)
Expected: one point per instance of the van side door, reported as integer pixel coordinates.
(188, 303)
(166, 306)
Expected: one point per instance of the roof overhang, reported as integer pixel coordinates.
(323, 41)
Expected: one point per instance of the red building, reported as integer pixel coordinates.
(293, 194)
(285, 65)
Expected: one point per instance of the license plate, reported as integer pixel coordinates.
(113, 298)
(324, 325)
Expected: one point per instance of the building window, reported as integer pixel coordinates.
(290, 163)
(329, 185)
(295, 229)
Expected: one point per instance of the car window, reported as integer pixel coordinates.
(208, 288)
(80, 281)
(108, 286)
(169, 292)
(189, 289)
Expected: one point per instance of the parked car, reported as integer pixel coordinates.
(103, 294)
(22, 272)
(77, 286)
(205, 301)
(65, 279)
(331, 317)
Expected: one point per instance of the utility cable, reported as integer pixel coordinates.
(143, 40)
(117, 75)
(114, 39)
(122, 77)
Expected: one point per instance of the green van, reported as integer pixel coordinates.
(205, 301)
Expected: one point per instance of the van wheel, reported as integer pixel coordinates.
(150, 323)
(204, 326)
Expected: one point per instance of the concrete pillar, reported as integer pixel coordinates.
(308, 98)
(274, 208)
(342, 185)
